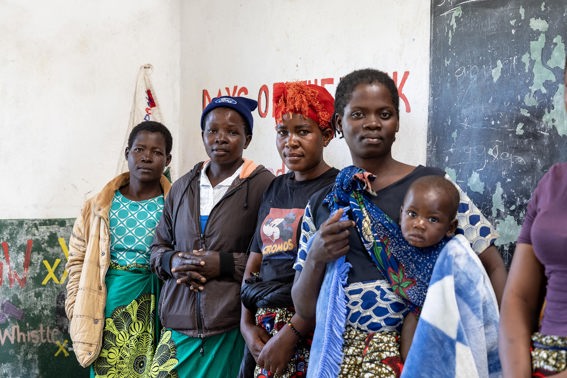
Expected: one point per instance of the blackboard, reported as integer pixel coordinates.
(34, 339)
(497, 116)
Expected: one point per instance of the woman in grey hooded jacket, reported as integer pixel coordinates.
(200, 248)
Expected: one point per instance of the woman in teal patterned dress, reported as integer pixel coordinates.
(111, 293)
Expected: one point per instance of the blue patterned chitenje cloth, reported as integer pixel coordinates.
(407, 268)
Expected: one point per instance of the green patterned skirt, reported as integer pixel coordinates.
(131, 324)
(179, 355)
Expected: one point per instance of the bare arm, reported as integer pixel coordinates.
(520, 308)
(408, 330)
(328, 244)
(254, 336)
(496, 270)
(277, 352)
(306, 287)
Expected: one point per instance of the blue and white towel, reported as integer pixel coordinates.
(457, 332)
(326, 351)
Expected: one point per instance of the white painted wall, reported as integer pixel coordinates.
(250, 43)
(67, 76)
(68, 70)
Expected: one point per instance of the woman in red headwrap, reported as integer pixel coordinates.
(277, 338)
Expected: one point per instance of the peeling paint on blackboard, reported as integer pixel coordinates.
(455, 13)
(496, 71)
(496, 115)
(509, 229)
(475, 183)
(497, 202)
(451, 173)
(539, 24)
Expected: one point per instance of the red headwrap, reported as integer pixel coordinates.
(309, 100)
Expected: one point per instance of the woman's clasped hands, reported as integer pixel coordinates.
(195, 268)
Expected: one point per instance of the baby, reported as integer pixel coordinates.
(458, 321)
(429, 211)
(428, 216)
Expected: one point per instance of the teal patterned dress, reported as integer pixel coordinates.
(131, 323)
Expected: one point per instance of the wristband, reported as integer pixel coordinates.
(292, 327)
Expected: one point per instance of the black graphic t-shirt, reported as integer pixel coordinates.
(279, 219)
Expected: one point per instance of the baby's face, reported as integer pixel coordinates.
(425, 217)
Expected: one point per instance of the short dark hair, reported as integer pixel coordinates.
(152, 127)
(348, 83)
(440, 184)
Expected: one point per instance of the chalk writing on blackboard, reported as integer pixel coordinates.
(34, 339)
(497, 119)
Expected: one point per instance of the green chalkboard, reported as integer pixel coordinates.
(34, 339)
(496, 117)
